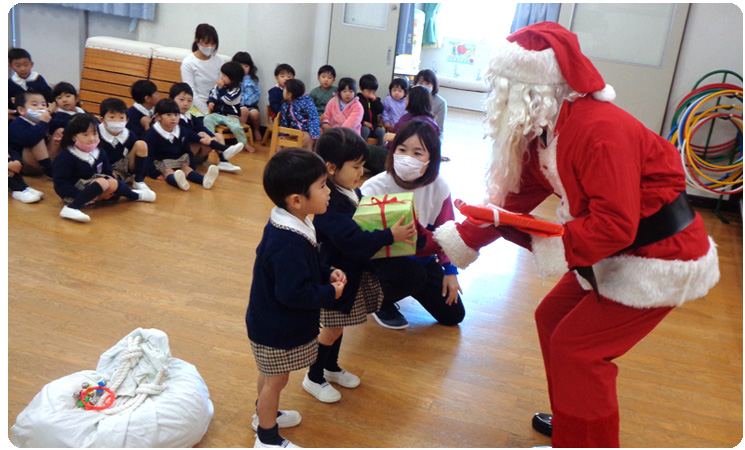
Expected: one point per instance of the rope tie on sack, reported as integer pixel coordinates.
(127, 363)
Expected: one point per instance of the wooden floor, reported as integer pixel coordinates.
(183, 265)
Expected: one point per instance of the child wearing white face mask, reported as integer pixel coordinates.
(127, 154)
(82, 173)
(27, 133)
(201, 68)
(413, 165)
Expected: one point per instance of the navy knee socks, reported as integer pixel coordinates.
(315, 371)
(195, 177)
(16, 183)
(332, 362)
(90, 192)
(124, 191)
(140, 166)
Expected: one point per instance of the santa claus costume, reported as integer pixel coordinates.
(627, 225)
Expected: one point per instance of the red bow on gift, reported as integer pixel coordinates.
(381, 204)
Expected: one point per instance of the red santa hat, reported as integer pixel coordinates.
(547, 53)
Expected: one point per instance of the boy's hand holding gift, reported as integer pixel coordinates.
(379, 212)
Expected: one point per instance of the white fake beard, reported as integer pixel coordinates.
(505, 168)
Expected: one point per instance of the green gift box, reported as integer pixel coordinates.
(379, 212)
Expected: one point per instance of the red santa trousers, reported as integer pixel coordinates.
(580, 335)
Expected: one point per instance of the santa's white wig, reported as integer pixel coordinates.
(524, 100)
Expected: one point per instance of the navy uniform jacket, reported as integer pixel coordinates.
(23, 133)
(290, 286)
(68, 169)
(39, 85)
(118, 150)
(160, 148)
(134, 116)
(345, 246)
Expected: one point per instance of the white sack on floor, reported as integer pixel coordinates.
(161, 401)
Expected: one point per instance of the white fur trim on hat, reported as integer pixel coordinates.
(549, 256)
(649, 282)
(513, 61)
(607, 94)
(460, 254)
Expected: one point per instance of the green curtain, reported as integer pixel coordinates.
(430, 24)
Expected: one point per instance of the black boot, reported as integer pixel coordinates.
(542, 423)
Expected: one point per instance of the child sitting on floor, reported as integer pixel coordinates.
(27, 133)
(68, 104)
(183, 95)
(82, 173)
(299, 112)
(127, 154)
(140, 114)
(169, 150)
(290, 285)
(24, 78)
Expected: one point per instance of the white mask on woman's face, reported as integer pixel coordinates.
(206, 50)
(407, 167)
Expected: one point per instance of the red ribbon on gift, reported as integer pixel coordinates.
(381, 204)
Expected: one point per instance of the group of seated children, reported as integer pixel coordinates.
(343, 106)
(92, 160)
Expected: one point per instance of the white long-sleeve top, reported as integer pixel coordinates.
(201, 76)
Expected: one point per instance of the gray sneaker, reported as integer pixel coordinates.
(390, 317)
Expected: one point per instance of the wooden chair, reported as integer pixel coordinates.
(110, 67)
(294, 137)
(227, 134)
(269, 124)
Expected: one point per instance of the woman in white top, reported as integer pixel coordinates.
(201, 69)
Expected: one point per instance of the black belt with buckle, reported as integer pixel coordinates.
(667, 221)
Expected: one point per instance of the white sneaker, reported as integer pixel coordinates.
(286, 419)
(74, 214)
(285, 444)
(39, 193)
(181, 180)
(210, 177)
(343, 378)
(232, 151)
(140, 186)
(26, 196)
(323, 392)
(146, 195)
(225, 166)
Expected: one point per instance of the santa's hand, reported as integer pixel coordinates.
(461, 241)
(470, 212)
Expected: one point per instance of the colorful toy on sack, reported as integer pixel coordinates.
(89, 395)
(491, 214)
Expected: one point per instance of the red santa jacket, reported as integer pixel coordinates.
(610, 171)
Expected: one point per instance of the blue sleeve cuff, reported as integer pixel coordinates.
(450, 269)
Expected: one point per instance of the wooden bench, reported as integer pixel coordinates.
(110, 66)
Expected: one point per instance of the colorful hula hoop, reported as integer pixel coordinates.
(716, 168)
